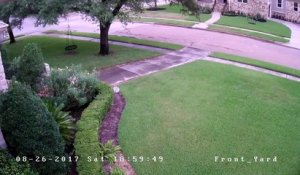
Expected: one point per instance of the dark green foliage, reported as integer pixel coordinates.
(86, 141)
(108, 151)
(9, 166)
(30, 130)
(117, 171)
(31, 65)
(205, 10)
(67, 127)
(72, 87)
(259, 17)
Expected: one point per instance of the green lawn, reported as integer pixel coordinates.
(177, 9)
(248, 33)
(171, 13)
(257, 63)
(270, 27)
(166, 22)
(195, 112)
(124, 39)
(87, 53)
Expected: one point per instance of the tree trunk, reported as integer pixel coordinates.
(10, 32)
(155, 3)
(104, 46)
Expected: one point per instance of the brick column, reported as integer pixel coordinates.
(3, 87)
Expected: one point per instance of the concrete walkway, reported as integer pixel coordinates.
(119, 74)
(295, 28)
(214, 18)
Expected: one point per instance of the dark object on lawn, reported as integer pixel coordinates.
(259, 17)
(155, 8)
(70, 44)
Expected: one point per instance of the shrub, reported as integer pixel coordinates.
(108, 151)
(31, 66)
(205, 10)
(258, 17)
(86, 140)
(67, 127)
(29, 129)
(9, 165)
(72, 87)
(117, 171)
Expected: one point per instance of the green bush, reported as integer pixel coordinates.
(29, 129)
(72, 87)
(67, 126)
(86, 140)
(31, 66)
(117, 171)
(9, 166)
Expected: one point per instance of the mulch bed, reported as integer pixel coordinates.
(109, 131)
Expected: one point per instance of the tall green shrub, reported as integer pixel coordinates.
(31, 65)
(30, 130)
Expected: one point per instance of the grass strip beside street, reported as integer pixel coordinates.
(248, 33)
(253, 62)
(123, 39)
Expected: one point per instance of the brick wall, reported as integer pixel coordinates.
(291, 14)
(252, 7)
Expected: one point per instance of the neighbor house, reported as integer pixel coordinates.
(283, 9)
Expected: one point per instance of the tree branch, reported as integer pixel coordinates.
(118, 7)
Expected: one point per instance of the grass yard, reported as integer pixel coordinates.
(248, 33)
(87, 53)
(123, 39)
(169, 15)
(270, 27)
(195, 112)
(166, 22)
(257, 63)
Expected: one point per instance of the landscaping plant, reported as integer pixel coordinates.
(9, 166)
(108, 151)
(72, 87)
(31, 66)
(30, 131)
(67, 126)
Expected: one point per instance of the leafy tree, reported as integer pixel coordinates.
(19, 10)
(102, 12)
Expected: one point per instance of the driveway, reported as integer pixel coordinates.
(295, 28)
(200, 39)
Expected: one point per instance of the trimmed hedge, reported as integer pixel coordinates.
(9, 165)
(86, 142)
(29, 129)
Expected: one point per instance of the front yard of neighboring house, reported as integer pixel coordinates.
(171, 15)
(268, 30)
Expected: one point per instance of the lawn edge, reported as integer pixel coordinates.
(259, 66)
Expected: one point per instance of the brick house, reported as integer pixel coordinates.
(288, 10)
